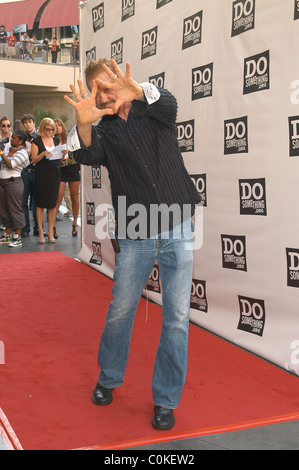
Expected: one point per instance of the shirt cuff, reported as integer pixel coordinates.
(151, 92)
(73, 141)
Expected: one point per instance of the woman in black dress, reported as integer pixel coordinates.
(47, 176)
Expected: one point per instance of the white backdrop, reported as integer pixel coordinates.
(233, 67)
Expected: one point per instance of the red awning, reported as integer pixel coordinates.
(16, 13)
(60, 13)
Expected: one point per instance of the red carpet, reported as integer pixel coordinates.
(52, 313)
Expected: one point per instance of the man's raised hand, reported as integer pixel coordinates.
(124, 86)
(85, 106)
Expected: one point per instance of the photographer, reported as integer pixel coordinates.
(3, 142)
(13, 160)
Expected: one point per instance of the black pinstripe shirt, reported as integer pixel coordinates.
(142, 157)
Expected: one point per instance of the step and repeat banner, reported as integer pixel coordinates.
(234, 69)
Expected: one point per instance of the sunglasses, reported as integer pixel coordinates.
(49, 129)
(5, 125)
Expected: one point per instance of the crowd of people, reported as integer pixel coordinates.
(27, 47)
(35, 169)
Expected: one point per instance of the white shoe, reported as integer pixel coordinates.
(5, 239)
(16, 242)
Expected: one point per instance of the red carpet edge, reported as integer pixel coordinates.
(197, 433)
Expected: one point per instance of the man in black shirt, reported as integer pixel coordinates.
(136, 140)
(28, 176)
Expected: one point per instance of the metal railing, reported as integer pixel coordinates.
(65, 56)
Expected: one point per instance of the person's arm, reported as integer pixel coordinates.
(161, 105)
(37, 157)
(86, 155)
(19, 158)
(86, 111)
(125, 86)
(6, 160)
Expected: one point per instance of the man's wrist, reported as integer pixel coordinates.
(140, 96)
(80, 137)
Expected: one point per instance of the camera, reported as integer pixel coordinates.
(2, 143)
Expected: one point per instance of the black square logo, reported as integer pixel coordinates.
(202, 82)
(252, 315)
(257, 73)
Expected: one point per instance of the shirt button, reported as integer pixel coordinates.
(154, 185)
(137, 148)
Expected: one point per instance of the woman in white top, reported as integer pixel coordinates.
(13, 160)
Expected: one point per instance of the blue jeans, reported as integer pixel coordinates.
(29, 189)
(133, 267)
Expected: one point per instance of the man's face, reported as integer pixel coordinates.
(5, 128)
(29, 126)
(105, 97)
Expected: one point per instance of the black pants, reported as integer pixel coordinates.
(54, 57)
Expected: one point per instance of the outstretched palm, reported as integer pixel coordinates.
(85, 106)
(124, 86)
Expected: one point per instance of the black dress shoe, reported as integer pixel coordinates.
(102, 395)
(163, 419)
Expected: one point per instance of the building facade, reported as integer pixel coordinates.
(38, 83)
